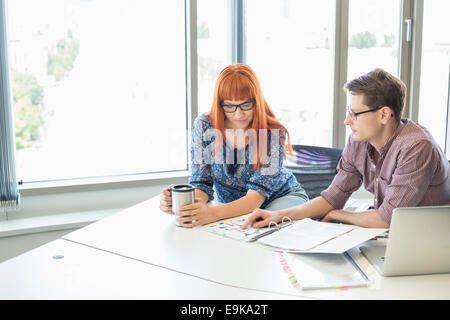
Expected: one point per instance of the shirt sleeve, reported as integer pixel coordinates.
(270, 178)
(411, 178)
(201, 177)
(347, 180)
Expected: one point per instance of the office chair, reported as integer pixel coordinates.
(314, 167)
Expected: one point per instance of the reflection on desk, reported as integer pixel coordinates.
(65, 270)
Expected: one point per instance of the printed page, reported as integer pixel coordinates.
(348, 240)
(304, 234)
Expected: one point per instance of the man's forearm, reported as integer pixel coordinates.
(367, 219)
(314, 209)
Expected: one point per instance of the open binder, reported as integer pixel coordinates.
(312, 236)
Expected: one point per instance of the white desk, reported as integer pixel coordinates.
(140, 250)
(144, 233)
(88, 273)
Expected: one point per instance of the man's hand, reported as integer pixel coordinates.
(261, 218)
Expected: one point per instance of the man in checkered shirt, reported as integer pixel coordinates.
(396, 159)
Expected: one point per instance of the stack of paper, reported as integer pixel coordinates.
(303, 235)
(320, 237)
(323, 270)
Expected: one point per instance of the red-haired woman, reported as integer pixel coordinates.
(238, 148)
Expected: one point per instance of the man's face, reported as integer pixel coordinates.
(366, 126)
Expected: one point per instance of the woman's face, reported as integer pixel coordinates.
(238, 119)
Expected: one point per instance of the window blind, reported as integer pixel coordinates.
(9, 192)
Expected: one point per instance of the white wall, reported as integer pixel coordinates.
(44, 217)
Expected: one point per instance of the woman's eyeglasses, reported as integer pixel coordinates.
(245, 106)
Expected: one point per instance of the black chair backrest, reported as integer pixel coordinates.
(314, 167)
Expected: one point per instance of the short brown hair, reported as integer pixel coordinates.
(380, 88)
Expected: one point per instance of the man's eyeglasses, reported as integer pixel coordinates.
(245, 106)
(355, 115)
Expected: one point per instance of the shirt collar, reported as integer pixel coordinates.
(384, 149)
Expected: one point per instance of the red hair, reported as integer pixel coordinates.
(239, 82)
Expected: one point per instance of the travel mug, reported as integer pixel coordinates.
(182, 194)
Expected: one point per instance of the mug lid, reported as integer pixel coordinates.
(182, 188)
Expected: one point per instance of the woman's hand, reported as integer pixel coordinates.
(165, 200)
(261, 218)
(196, 214)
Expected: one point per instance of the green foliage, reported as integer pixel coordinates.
(202, 31)
(28, 94)
(62, 57)
(208, 68)
(27, 97)
(363, 40)
(27, 85)
(389, 40)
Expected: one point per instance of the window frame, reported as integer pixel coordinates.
(417, 10)
(409, 71)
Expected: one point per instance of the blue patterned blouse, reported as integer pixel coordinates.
(232, 181)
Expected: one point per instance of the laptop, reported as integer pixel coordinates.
(418, 243)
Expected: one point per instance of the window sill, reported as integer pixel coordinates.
(16, 227)
(57, 200)
(102, 183)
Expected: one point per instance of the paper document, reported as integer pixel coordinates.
(322, 270)
(347, 240)
(303, 235)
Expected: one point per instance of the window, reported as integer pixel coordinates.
(373, 30)
(212, 47)
(290, 46)
(435, 71)
(99, 87)
(373, 37)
